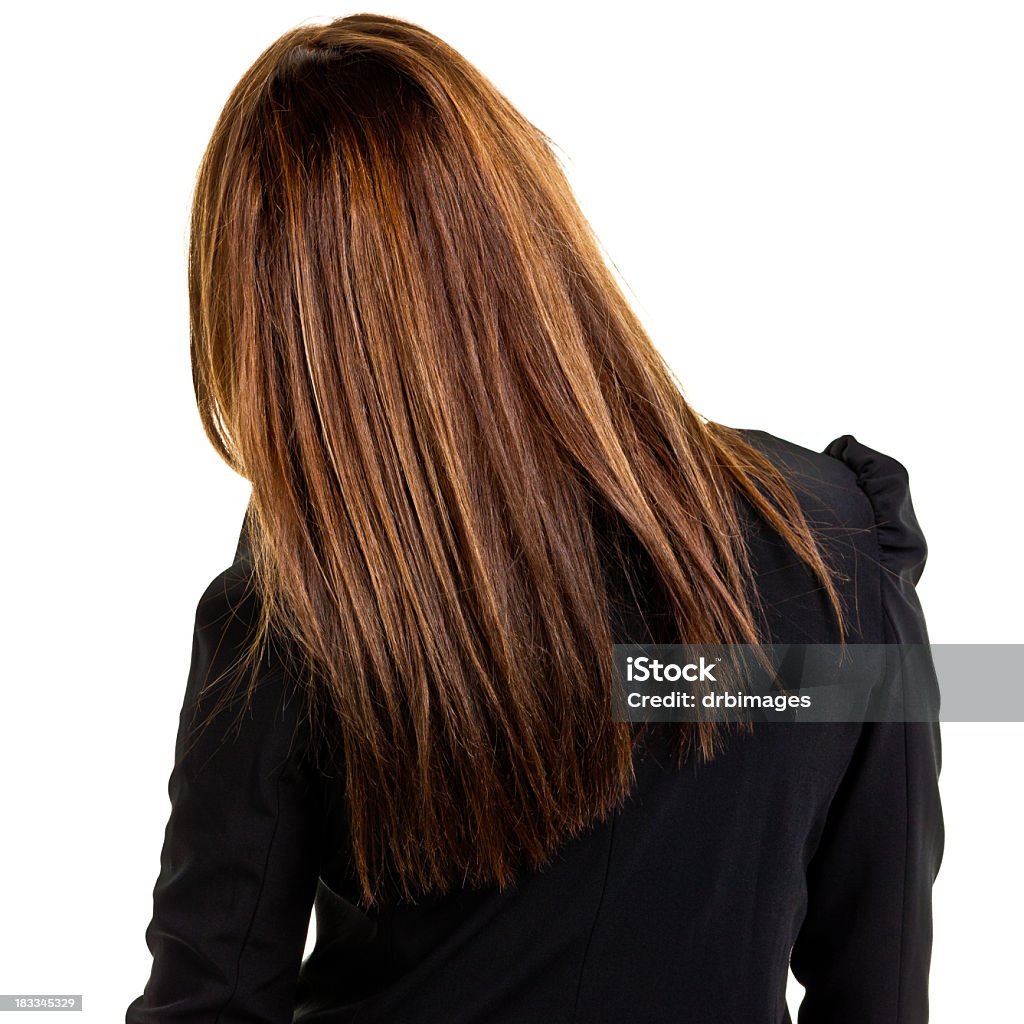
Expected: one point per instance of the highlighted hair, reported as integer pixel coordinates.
(406, 337)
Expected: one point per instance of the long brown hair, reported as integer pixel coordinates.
(405, 336)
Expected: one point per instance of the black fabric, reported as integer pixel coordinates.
(815, 845)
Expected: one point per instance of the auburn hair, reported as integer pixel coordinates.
(405, 336)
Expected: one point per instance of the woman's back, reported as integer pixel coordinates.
(816, 840)
(472, 472)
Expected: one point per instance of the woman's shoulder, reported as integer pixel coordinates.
(854, 484)
(824, 481)
(858, 502)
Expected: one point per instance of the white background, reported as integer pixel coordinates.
(817, 210)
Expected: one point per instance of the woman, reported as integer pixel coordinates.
(471, 475)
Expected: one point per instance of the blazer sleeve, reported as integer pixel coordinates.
(864, 949)
(240, 856)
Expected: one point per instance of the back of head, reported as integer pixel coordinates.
(405, 335)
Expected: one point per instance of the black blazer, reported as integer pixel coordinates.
(814, 846)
